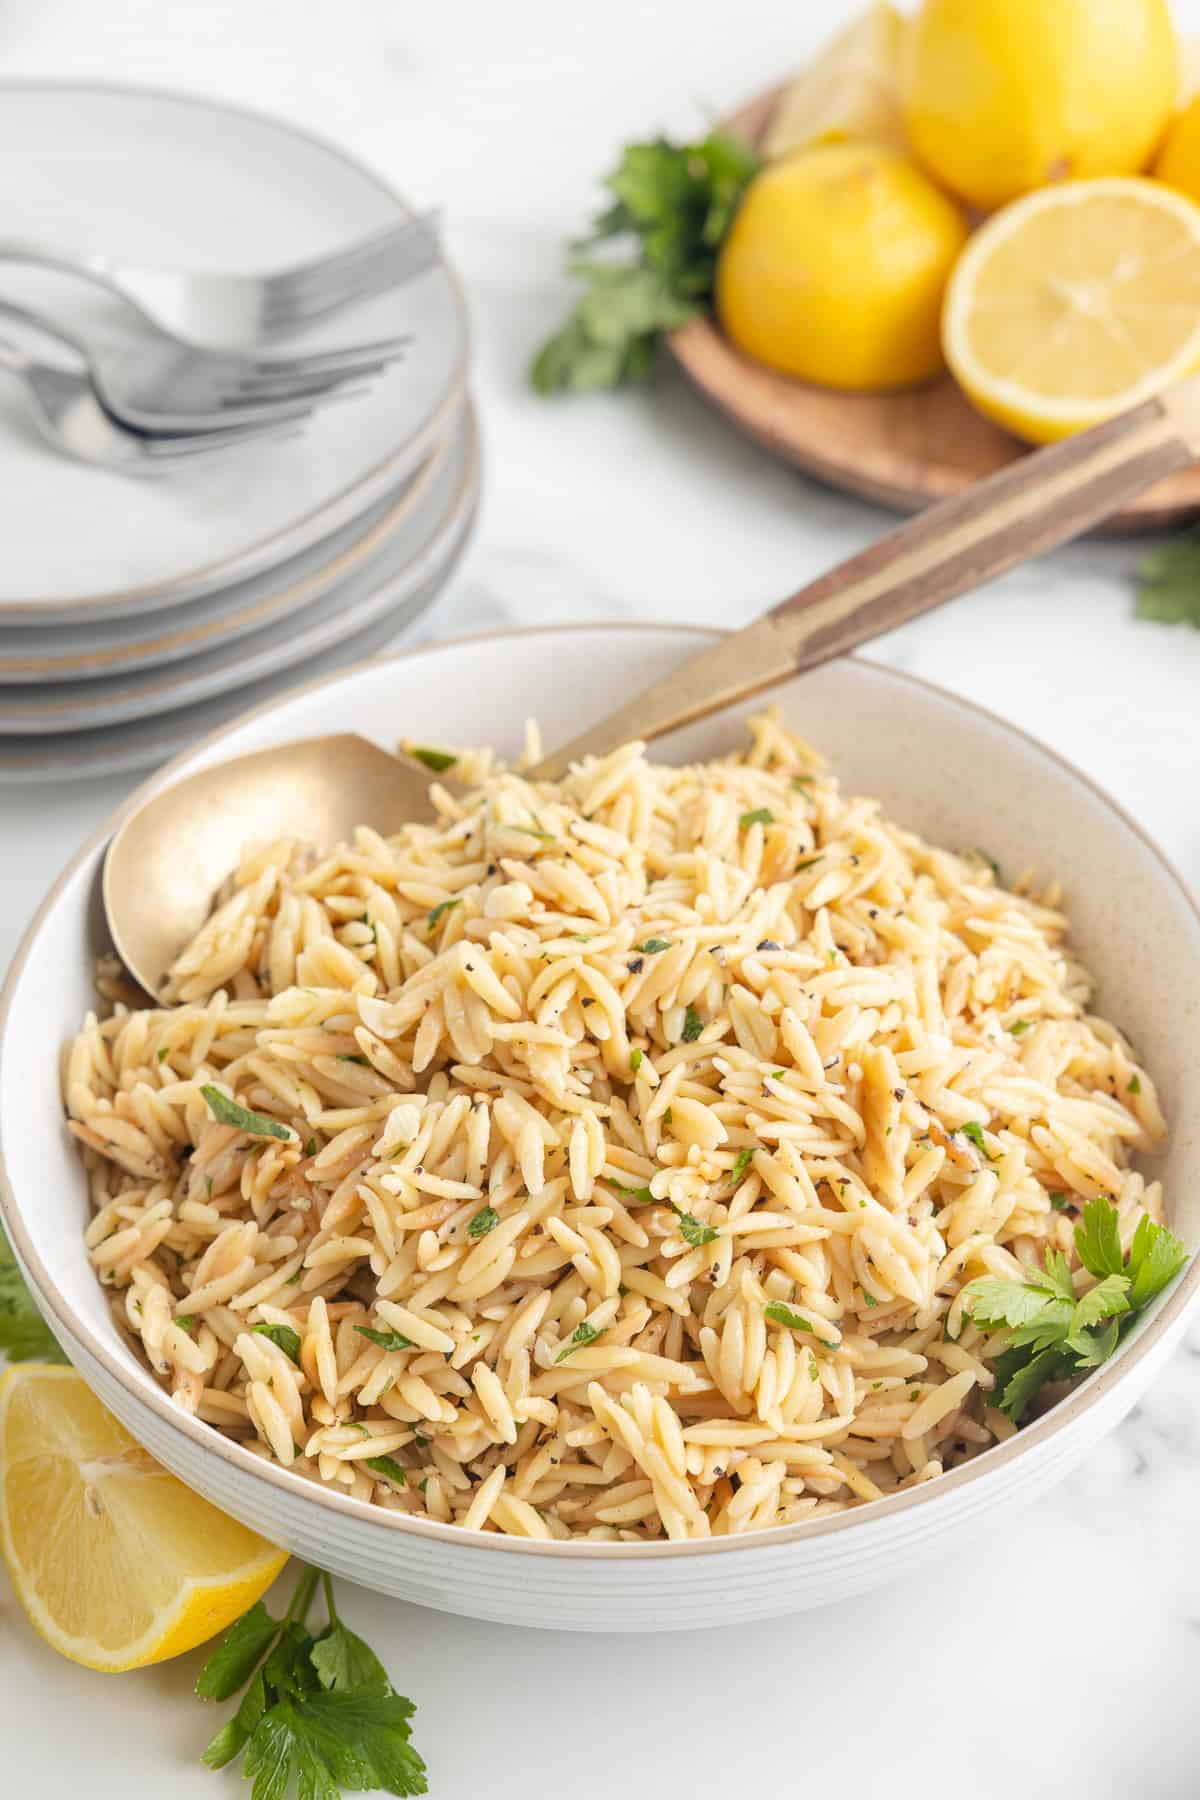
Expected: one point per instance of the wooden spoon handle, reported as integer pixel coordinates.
(1044, 499)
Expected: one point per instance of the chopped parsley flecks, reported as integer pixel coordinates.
(436, 912)
(437, 760)
(581, 1336)
(693, 1025)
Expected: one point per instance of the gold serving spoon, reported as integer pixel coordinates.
(170, 856)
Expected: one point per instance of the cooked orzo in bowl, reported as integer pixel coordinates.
(610, 1159)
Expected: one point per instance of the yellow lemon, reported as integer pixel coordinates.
(115, 1562)
(1178, 162)
(851, 90)
(1007, 95)
(835, 267)
(1075, 303)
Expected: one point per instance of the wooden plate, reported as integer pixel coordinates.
(902, 450)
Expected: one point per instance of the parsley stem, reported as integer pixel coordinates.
(302, 1599)
(327, 1584)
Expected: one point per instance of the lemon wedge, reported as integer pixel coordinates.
(116, 1563)
(850, 91)
(1075, 303)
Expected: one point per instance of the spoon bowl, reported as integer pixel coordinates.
(167, 861)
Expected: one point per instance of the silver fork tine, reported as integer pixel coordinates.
(337, 364)
(295, 390)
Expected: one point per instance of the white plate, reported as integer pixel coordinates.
(89, 649)
(180, 182)
(27, 761)
(938, 765)
(439, 505)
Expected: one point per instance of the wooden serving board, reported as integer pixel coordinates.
(902, 450)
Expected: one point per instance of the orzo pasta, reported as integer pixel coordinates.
(619, 1148)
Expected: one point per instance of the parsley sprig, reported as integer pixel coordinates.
(1053, 1333)
(24, 1334)
(672, 205)
(318, 1708)
(1168, 583)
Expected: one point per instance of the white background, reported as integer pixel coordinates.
(1064, 1657)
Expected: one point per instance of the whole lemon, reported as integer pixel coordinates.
(835, 267)
(1003, 96)
(1178, 162)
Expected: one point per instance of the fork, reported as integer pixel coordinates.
(159, 383)
(248, 311)
(68, 413)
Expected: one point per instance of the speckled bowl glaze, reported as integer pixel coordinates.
(940, 766)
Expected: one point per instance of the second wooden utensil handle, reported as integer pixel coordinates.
(1045, 499)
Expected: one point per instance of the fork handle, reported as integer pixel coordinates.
(1046, 498)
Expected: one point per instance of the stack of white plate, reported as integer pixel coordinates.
(137, 615)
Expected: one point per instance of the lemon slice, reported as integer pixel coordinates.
(1074, 303)
(851, 90)
(115, 1562)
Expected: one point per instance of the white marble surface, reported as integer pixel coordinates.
(1063, 1657)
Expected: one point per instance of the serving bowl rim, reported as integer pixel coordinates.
(242, 1462)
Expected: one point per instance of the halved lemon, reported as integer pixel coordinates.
(116, 1563)
(1074, 303)
(851, 90)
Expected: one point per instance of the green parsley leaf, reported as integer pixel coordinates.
(636, 1059)
(641, 1195)
(387, 1340)
(991, 862)
(343, 1661)
(1134, 1085)
(1060, 1201)
(809, 863)
(1018, 1382)
(536, 832)
(435, 912)
(994, 1301)
(1019, 1027)
(673, 204)
(437, 760)
(1168, 583)
(285, 1337)
(238, 1655)
(652, 946)
(692, 1231)
(1052, 1334)
(363, 1061)
(227, 1112)
(1155, 1258)
(779, 1314)
(741, 1163)
(185, 1322)
(236, 1733)
(974, 1130)
(389, 1468)
(1057, 1279)
(485, 1220)
(582, 1335)
(320, 1711)
(24, 1334)
(693, 1025)
(1108, 1298)
(762, 815)
(1098, 1239)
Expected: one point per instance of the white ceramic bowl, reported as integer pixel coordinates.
(940, 765)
